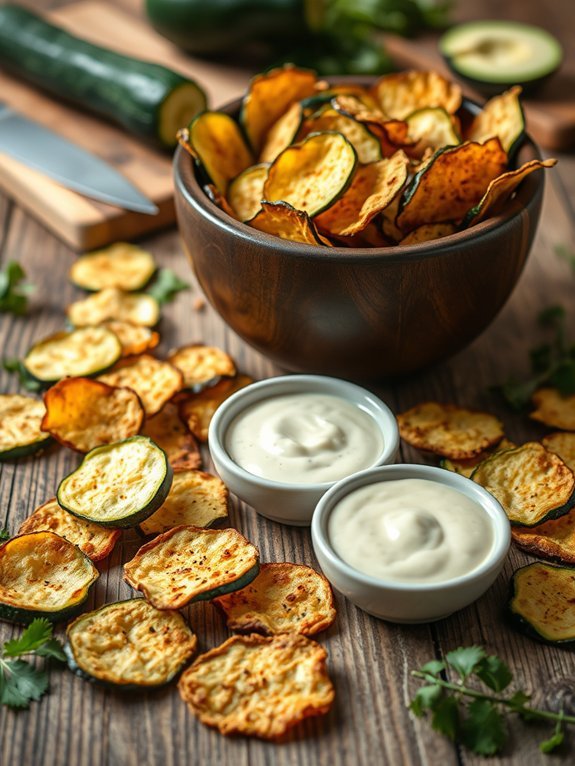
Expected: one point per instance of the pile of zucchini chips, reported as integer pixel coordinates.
(397, 163)
(535, 484)
(138, 421)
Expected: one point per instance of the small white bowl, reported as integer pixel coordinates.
(410, 602)
(291, 503)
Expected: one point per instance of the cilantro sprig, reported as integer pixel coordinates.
(166, 286)
(21, 682)
(474, 715)
(14, 291)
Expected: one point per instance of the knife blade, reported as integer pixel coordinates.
(75, 168)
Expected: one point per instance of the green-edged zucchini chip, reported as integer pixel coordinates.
(373, 188)
(154, 380)
(282, 133)
(284, 221)
(135, 339)
(554, 409)
(202, 366)
(258, 686)
(428, 232)
(466, 467)
(283, 598)
(553, 539)
(501, 117)
(365, 143)
(197, 410)
(121, 265)
(21, 431)
(188, 564)
(129, 644)
(118, 485)
(532, 484)
(542, 602)
(82, 413)
(246, 191)
(137, 308)
(196, 499)
(93, 539)
(562, 443)
(81, 353)
(399, 95)
(431, 128)
(43, 575)
(170, 433)
(313, 174)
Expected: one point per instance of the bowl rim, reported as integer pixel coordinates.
(500, 524)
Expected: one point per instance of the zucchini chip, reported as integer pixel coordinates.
(196, 499)
(283, 598)
(202, 366)
(532, 484)
(135, 339)
(431, 128)
(118, 485)
(83, 352)
(313, 174)
(399, 95)
(93, 539)
(373, 188)
(554, 409)
(562, 444)
(129, 644)
(187, 564)
(282, 133)
(153, 380)
(283, 220)
(428, 232)
(542, 602)
(218, 199)
(246, 191)
(124, 266)
(451, 183)
(21, 431)
(197, 410)
(391, 134)
(448, 430)
(466, 467)
(258, 686)
(553, 539)
(365, 143)
(82, 413)
(501, 117)
(43, 575)
(172, 435)
(137, 308)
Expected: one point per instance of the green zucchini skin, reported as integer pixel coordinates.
(25, 616)
(136, 94)
(25, 450)
(230, 587)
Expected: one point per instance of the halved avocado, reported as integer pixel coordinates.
(492, 55)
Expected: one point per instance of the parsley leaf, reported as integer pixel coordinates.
(445, 718)
(166, 286)
(13, 291)
(4, 534)
(494, 673)
(425, 698)
(465, 659)
(15, 366)
(483, 731)
(36, 634)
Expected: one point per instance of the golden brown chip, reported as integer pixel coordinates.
(554, 409)
(448, 430)
(562, 443)
(282, 133)
(283, 598)
(21, 426)
(283, 220)
(258, 686)
(553, 539)
(388, 218)
(137, 308)
(153, 380)
(399, 95)
(94, 540)
(168, 430)
(196, 499)
(542, 602)
(246, 191)
(501, 117)
(391, 134)
(466, 467)
(82, 413)
(135, 339)
(431, 128)
(428, 232)
(121, 265)
(201, 365)
(365, 143)
(218, 199)
(197, 410)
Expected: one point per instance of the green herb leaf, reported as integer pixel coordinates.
(483, 730)
(426, 698)
(4, 534)
(541, 358)
(36, 635)
(13, 292)
(552, 316)
(564, 377)
(494, 673)
(434, 667)
(564, 252)
(551, 744)
(52, 648)
(15, 366)
(465, 659)
(445, 719)
(20, 683)
(166, 286)
(518, 394)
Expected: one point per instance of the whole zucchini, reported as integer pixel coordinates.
(146, 99)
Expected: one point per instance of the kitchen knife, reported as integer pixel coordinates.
(68, 164)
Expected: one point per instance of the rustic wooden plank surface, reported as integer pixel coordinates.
(80, 724)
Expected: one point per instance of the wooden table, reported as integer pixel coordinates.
(369, 660)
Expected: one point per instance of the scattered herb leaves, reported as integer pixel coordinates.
(14, 291)
(15, 366)
(4, 534)
(566, 254)
(166, 286)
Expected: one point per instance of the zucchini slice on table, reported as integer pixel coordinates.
(129, 644)
(122, 265)
(119, 484)
(111, 303)
(554, 540)
(187, 564)
(542, 602)
(43, 575)
(21, 431)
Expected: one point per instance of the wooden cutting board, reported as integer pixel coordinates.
(82, 223)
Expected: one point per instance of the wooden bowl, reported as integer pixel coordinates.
(360, 314)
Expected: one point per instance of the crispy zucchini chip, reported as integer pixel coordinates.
(43, 575)
(258, 686)
(21, 426)
(431, 128)
(466, 467)
(282, 133)
(452, 182)
(366, 145)
(129, 644)
(373, 188)
(218, 199)
(501, 117)
(313, 174)
(93, 539)
(389, 226)
(553, 539)
(246, 191)
(428, 232)
(137, 308)
(532, 484)
(83, 352)
(542, 601)
(82, 413)
(399, 95)
(121, 265)
(197, 410)
(154, 380)
(187, 564)
(196, 499)
(170, 433)
(553, 409)
(283, 220)
(562, 444)
(391, 134)
(118, 485)
(135, 339)
(448, 430)
(284, 598)
(202, 366)
(269, 97)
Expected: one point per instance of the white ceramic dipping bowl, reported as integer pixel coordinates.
(291, 503)
(410, 602)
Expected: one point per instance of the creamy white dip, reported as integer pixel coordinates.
(304, 438)
(410, 530)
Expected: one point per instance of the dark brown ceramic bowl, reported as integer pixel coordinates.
(359, 314)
